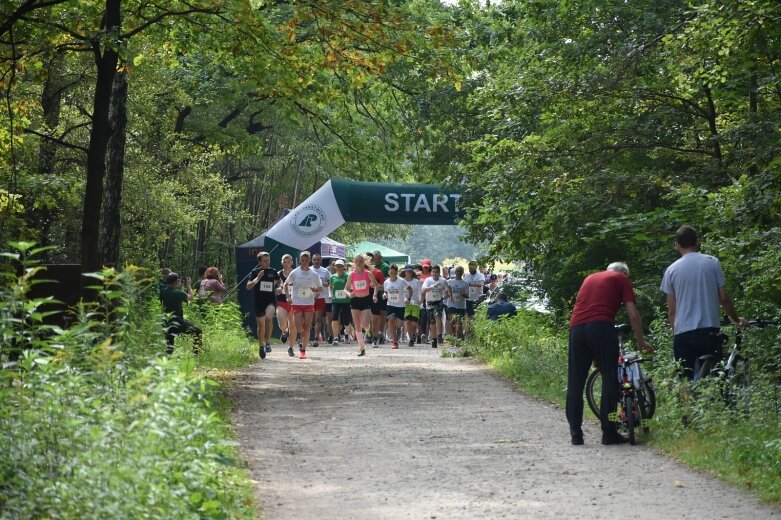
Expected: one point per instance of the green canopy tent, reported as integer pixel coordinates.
(389, 255)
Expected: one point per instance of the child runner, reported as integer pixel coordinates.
(264, 281)
(340, 303)
(458, 291)
(284, 316)
(412, 309)
(302, 286)
(434, 289)
(395, 294)
(359, 284)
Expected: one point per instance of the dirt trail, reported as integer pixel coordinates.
(408, 434)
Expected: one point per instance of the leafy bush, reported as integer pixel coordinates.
(93, 424)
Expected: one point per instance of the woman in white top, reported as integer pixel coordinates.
(302, 286)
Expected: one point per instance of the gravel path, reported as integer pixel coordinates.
(408, 434)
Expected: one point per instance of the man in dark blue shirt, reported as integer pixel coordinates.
(501, 307)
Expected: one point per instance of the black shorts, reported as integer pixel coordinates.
(456, 314)
(395, 311)
(341, 312)
(361, 303)
(470, 308)
(262, 305)
(380, 306)
(328, 307)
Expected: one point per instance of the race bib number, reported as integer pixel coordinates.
(340, 293)
(266, 286)
(394, 296)
(303, 292)
(475, 292)
(458, 296)
(361, 285)
(434, 295)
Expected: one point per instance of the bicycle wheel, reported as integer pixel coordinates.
(594, 391)
(646, 397)
(629, 417)
(737, 391)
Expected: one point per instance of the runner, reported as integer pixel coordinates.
(434, 289)
(425, 273)
(458, 291)
(359, 285)
(379, 305)
(340, 303)
(396, 293)
(476, 281)
(412, 309)
(302, 286)
(381, 329)
(264, 281)
(329, 302)
(284, 316)
(322, 299)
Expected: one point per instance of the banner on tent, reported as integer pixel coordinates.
(340, 201)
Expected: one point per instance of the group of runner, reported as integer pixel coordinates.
(368, 300)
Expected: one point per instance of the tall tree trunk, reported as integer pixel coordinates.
(51, 104)
(106, 59)
(111, 222)
(714, 131)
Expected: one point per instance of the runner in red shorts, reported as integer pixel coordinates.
(302, 287)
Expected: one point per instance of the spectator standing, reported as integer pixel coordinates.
(694, 285)
(172, 297)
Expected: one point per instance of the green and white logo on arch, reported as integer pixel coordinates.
(340, 201)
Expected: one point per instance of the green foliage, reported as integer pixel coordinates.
(93, 424)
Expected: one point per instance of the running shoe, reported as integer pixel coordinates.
(439, 339)
(395, 345)
(302, 354)
(330, 339)
(376, 342)
(316, 344)
(334, 343)
(268, 347)
(412, 342)
(290, 352)
(262, 352)
(381, 339)
(434, 344)
(362, 352)
(283, 337)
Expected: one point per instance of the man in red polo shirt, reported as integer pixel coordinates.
(592, 337)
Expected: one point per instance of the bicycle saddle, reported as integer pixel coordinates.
(623, 328)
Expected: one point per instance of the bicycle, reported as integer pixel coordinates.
(636, 394)
(733, 373)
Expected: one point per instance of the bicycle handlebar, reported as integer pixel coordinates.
(759, 323)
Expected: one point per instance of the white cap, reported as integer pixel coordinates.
(339, 262)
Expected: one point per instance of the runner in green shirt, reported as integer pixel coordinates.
(340, 302)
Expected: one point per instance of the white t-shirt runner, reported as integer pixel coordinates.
(438, 289)
(460, 290)
(416, 287)
(476, 282)
(396, 291)
(325, 278)
(302, 285)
